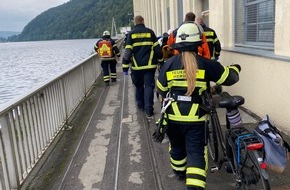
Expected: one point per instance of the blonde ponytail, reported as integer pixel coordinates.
(190, 67)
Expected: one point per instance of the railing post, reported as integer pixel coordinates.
(63, 97)
(9, 160)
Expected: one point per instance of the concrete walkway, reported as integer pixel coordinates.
(108, 146)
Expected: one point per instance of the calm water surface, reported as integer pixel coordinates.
(23, 65)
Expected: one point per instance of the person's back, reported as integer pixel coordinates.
(144, 50)
(147, 42)
(184, 78)
(107, 51)
(212, 39)
(203, 49)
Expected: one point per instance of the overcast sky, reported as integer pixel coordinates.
(15, 14)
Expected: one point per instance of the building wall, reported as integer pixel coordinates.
(265, 76)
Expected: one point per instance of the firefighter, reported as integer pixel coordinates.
(144, 50)
(186, 77)
(203, 49)
(107, 50)
(213, 42)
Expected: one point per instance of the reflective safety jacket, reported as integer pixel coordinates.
(107, 48)
(203, 50)
(212, 41)
(172, 78)
(142, 48)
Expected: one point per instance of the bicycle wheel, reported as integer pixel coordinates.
(253, 175)
(212, 144)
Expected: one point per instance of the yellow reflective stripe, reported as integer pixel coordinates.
(209, 40)
(128, 47)
(115, 45)
(208, 33)
(202, 86)
(151, 57)
(161, 87)
(143, 67)
(176, 74)
(134, 62)
(185, 118)
(125, 66)
(215, 40)
(175, 109)
(178, 162)
(224, 76)
(192, 170)
(142, 44)
(180, 74)
(156, 44)
(141, 35)
(195, 182)
(200, 74)
(193, 109)
(206, 158)
(235, 68)
(183, 168)
(177, 83)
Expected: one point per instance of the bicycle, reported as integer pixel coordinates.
(242, 151)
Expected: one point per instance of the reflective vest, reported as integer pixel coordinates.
(105, 49)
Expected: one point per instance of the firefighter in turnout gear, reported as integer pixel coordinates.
(213, 42)
(107, 51)
(186, 77)
(145, 52)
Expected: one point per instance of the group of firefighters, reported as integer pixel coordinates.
(187, 62)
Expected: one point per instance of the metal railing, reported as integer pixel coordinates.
(30, 123)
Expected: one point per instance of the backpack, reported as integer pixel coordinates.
(275, 147)
(105, 49)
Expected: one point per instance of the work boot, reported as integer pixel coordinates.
(181, 175)
(107, 83)
(114, 80)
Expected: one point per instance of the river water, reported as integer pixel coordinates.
(24, 65)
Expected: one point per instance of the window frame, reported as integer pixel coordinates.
(254, 30)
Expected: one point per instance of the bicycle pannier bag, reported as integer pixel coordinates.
(275, 147)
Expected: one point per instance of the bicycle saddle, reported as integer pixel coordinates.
(228, 101)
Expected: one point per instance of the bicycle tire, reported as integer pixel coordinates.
(212, 141)
(252, 171)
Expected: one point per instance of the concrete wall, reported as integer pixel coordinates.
(265, 76)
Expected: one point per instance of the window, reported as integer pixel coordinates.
(255, 23)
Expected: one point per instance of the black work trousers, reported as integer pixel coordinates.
(144, 81)
(109, 70)
(188, 152)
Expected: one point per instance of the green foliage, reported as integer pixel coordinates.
(77, 19)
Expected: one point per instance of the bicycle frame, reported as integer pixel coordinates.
(239, 146)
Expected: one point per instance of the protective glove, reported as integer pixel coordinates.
(160, 131)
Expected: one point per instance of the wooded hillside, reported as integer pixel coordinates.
(77, 19)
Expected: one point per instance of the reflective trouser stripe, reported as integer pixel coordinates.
(195, 177)
(195, 182)
(178, 165)
(106, 78)
(113, 75)
(196, 171)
